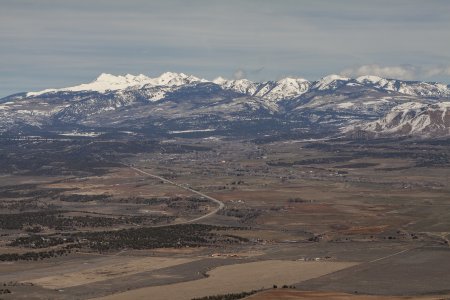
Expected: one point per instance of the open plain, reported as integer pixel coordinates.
(185, 218)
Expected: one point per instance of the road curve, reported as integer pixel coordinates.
(218, 202)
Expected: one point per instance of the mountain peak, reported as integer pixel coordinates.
(112, 82)
(175, 79)
(106, 77)
(171, 75)
(219, 80)
(329, 81)
(369, 78)
(108, 82)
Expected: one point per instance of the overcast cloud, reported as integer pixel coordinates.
(54, 43)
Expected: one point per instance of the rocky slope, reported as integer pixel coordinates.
(413, 118)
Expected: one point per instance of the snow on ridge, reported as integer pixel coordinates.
(329, 81)
(443, 105)
(413, 118)
(409, 106)
(243, 86)
(108, 82)
(285, 88)
(220, 80)
(288, 88)
(191, 131)
(370, 78)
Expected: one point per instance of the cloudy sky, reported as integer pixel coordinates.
(55, 43)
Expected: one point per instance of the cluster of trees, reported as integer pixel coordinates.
(299, 200)
(149, 201)
(33, 255)
(173, 236)
(162, 200)
(285, 286)
(51, 219)
(58, 220)
(244, 214)
(83, 198)
(392, 149)
(145, 238)
(357, 166)
(26, 204)
(18, 221)
(184, 205)
(27, 191)
(5, 291)
(311, 161)
(189, 203)
(238, 182)
(39, 241)
(233, 296)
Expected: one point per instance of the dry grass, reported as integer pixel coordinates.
(237, 278)
(118, 269)
(302, 295)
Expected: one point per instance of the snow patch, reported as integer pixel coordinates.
(345, 105)
(85, 134)
(190, 131)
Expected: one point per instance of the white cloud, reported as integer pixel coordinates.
(436, 71)
(239, 74)
(406, 72)
(398, 72)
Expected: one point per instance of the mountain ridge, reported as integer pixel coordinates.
(108, 82)
(175, 101)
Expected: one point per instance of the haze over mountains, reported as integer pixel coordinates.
(176, 103)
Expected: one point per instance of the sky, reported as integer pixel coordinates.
(59, 43)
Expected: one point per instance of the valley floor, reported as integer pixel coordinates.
(333, 219)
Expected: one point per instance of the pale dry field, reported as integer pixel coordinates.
(304, 295)
(236, 278)
(117, 269)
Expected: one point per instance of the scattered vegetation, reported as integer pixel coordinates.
(299, 200)
(5, 291)
(83, 198)
(245, 215)
(185, 235)
(60, 220)
(232, 296)
(33, 255)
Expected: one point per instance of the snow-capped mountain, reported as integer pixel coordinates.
(174, 101)
(413, 88)
(285, 88)
(107, 82)
(413, 118)
(330, 82)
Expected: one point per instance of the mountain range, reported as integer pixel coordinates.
(180, 104)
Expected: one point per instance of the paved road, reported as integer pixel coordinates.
(218, 202)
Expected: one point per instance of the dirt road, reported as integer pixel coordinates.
(213, 212)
